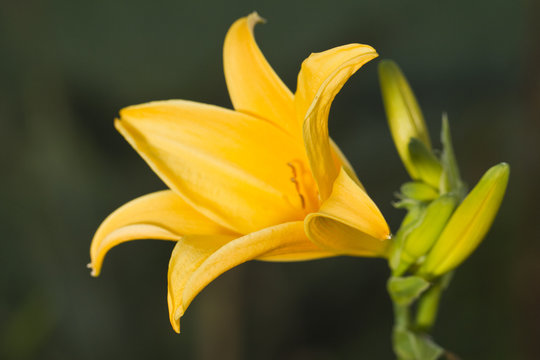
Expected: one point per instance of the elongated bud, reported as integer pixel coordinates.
(404, 115)
(418, 191)
(469, 223)
(410, 222)
(421, 239)
(427, 166)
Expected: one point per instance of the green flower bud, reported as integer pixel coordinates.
(412, 220)
(428, 168)
(421, 239)
(418, 191)
(469, 223)
(404, 115)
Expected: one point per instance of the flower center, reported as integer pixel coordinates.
(305, 186)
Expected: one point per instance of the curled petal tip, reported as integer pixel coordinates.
(321, 77)
(255, 18)
(176, 325)
(117, 121)
(179, 312)
(369, 50)
(94, 272)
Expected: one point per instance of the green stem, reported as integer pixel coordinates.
(428, 305)
(409, 344)
(402, 316)
(410, 335)
(402, 319)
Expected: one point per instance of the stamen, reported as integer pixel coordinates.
(296, 184)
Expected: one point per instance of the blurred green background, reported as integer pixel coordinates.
(67, 67)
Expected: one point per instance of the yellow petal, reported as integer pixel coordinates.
(320, 79)
(253, 85)
(301, 250)
(341, 161)
(161, 215)
(298, 254)
(188, 254)
(232, 167)
(349, 222)
(256, 89)
(192, 267)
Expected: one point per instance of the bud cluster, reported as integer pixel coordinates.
(444, 224)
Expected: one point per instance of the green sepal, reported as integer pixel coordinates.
(419, 191)
(405, 203)
(451, 181)
(405, 290)
(428, 167)
(413, 346)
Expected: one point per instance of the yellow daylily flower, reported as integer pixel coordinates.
(262, 182)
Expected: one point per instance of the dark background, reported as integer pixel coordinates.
(67, 67)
